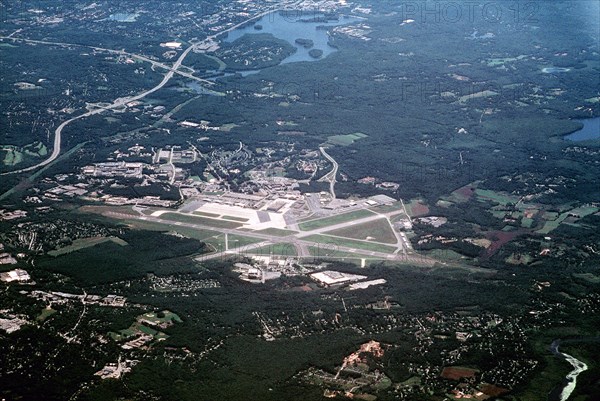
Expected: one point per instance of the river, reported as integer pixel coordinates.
(570, 381)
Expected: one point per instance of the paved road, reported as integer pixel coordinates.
(122, 101)
(119, 52)
(116, 104)
(331, 176)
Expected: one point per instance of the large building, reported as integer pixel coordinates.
(15, 275)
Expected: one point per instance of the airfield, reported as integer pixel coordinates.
(303, 227)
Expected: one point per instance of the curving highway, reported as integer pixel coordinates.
(332, 174)
(122, 101)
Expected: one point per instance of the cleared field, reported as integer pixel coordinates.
(235, 241)
(276, 231)
(161, 317)
(462, 194)
(589, 277)
(191, 219)
(377, 230)
(329, 241)
(201, 235)
(501, 198)
(101, 209)
(319, 252)
(394, 207)
(416, 208)
(458, 372)
(240, 219)
(205, 214)
(525, 222)
(82, 243)
(44, 314)
(329, 221)
(345, 140)
(445, 254)
(552, 224)
(283, 249)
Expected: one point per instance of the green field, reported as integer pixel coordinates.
(152, 318)
(240, 219)
(82, 243)
(236, 241)
(416, 207)
(324, 252)
(283, 249)
(394, 207)
(377, 230)
(205, 214)
(525, 222)
(329, 221)
(161, 317)
(191, 219)
(15, 155)
(188, 232)
(329, 241)
(45, 314)
(501, 198)
(345, 140)
(589, 277)
(276, 231)
(552, 224)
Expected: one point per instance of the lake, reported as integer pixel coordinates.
(289, 27)
(590, 130)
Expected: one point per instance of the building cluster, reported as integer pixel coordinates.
(55, 297)
(6, 215)
(11, 323)
(116, 370)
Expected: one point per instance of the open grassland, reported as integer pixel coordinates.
(499, 197)
(202, 235)
(377, 230)
(83, 243)
(240, 219)
(394, 207)
(550, 225)
(332, 242)
(416, 208)
(281, 249)
(235, 241)
(337, 219)
(191, 219)
(345, 140)
(205, 214)
(277, 232)
(103, 209)
(324, 252)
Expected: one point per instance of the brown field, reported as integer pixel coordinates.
(492, 390)
(500, 238)
(458, 372)
(417, 209)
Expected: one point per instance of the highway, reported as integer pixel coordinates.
(123, 101)
(332, 174)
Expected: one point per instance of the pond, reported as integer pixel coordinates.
(555, 70)
(589, 132)
(123, 17)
